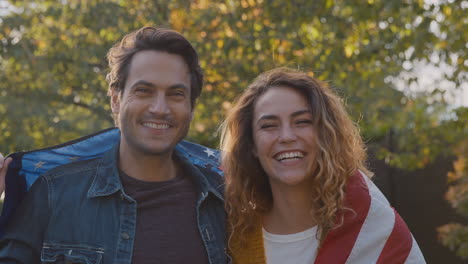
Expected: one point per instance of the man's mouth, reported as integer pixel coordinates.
(293, 155)
(156, 125)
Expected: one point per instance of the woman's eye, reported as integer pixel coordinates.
(303, 121)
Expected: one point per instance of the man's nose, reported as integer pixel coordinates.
(159, 105)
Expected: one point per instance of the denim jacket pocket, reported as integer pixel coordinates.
(71, 254)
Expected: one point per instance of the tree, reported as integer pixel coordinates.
(455, 235)
(52, 61)
(52, 67)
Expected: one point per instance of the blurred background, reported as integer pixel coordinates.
(400, 65)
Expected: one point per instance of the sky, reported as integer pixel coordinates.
(431, 77)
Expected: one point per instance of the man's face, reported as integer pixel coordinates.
(154, 110)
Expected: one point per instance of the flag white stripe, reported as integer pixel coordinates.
(374, 191)
(415, 256)
(376, 229)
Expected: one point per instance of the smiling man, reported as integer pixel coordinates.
(142, 202)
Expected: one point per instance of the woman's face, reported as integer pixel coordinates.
(284, 136)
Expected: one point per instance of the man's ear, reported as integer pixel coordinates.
(191, 115)
(115, 102)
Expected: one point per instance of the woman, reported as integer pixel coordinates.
(295, 185)
(4, 162)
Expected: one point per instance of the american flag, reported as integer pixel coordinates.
(372, 232)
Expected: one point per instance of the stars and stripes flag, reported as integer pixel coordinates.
(372, 232)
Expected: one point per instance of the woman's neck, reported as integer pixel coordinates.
(292, 212)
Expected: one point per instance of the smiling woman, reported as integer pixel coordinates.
(296, 184)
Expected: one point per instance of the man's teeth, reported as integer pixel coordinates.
(289, 155)
(157, 126)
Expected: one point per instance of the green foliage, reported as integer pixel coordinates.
(52, 61)
(455, 235)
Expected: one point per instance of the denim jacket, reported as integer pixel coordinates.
(79, 212)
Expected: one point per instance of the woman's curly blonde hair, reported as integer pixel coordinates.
(340, 154)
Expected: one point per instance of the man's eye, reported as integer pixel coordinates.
(142, 90)
(177, 94)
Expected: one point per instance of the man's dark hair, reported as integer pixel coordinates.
(158, 39)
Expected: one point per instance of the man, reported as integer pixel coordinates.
(143, 202)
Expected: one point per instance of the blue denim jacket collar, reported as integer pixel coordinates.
(107, 180)
(204, 184)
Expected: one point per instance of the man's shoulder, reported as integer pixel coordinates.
(200, 155)
(207, 160)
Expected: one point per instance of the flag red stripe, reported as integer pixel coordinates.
(398, 245)
(340, 241)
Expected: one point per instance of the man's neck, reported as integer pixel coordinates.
(146, 167)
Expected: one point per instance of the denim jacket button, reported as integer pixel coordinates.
(125, 236)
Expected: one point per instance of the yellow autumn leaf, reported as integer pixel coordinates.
(348, 51)
(220, 43)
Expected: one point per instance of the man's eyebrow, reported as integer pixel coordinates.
(178, 86)
(143, 83)
(150, 84)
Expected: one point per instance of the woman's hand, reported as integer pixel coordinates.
(3, 170)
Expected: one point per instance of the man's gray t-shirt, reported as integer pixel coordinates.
(166, 226)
